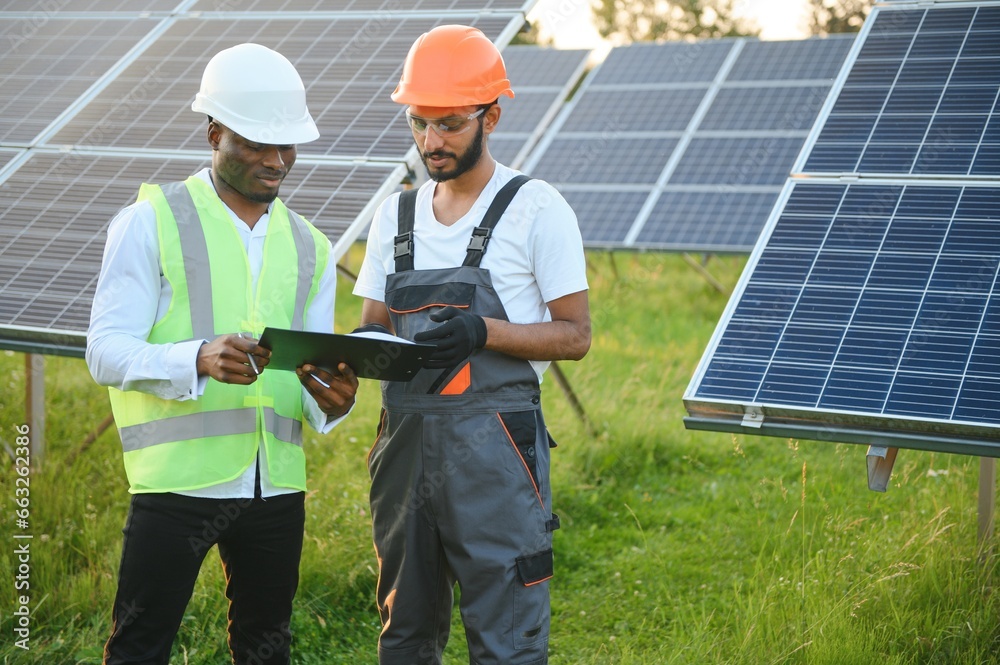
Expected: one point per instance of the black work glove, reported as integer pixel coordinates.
(459, 334)
(372, 327)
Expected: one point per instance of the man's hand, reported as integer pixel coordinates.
(334, 392)
(459, 334)
(372, 327)
(227, 359)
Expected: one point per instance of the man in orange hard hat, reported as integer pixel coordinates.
(487, 266)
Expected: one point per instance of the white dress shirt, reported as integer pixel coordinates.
(132, 295)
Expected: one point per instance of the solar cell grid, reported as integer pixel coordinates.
(147, 106)
(920, 98)
(906, 325)
(672, 62)
(739, 111)
(612, 112)
(54, 206)
(47, 67)
(45, 9)
(523, 113)
(6, 156)
(705, 221)
(54, 211)
(731, 162)
(385, 7)
(540, 67)
(769, 108)
(604, 160)
(817, 59)
(541, 78)
(605, 217)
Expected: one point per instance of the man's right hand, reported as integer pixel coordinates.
(226, 359)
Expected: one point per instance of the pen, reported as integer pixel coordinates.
(319, 380)
(252, 363)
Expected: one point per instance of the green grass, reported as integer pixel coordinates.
(677, 546)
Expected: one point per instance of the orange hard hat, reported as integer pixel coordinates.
(452, 65)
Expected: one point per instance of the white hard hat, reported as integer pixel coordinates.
(257, 93)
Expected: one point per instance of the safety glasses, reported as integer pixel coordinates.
(444, 127)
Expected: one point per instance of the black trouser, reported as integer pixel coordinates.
(166, 539)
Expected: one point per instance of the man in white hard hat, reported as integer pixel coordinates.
(487, 265)
(211, 438)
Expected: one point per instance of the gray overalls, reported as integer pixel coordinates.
(460, 479)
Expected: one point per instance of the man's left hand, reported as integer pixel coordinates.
(459, 334)
(334, 392)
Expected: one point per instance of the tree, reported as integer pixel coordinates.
(528, 34)
(652, 20)
(833, 16)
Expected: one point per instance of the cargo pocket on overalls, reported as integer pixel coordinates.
(531, 599)
(520, 427)
(413, 298)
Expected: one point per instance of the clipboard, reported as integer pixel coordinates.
(385, 358)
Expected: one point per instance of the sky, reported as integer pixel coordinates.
(569, 22)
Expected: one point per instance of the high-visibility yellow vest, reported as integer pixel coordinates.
(172, 445)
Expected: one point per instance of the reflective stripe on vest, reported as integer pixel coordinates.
(195, 251)
(172, 445)
(216, 423)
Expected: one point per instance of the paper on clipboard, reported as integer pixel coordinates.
(372, 355)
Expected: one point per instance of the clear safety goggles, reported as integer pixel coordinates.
(443, 127)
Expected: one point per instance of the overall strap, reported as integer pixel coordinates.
(481, 234)
(403, 245)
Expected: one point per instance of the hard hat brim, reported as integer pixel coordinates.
(277, 132)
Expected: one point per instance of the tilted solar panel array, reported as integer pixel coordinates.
(542, 78)
(97, 100)
(870, 309)
(685, 146)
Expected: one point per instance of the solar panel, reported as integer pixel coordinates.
(542, 78)
(47, 66)
(384, 7)
(704, 133)
(101, 93)
(41, 10)
(869, 309)
(55, 209)
(350, 66)
(920, 99)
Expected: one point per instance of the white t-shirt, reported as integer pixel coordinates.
(534, 256)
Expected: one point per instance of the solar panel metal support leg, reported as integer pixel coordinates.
(34, 404)
(880, 460)
(987, 500)
(574, 402)
(703, 271)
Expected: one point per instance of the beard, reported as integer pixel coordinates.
(261, 197)
(463, 163)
